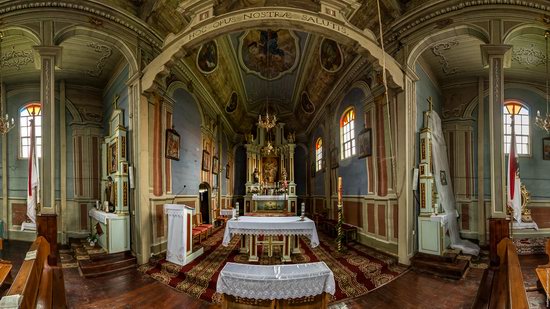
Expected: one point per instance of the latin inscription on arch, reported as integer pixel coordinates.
(261, 15)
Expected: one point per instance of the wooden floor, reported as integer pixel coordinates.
(130, 289)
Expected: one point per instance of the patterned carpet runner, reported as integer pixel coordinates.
(356, 271)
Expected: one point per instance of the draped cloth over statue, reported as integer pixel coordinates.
(446, 195)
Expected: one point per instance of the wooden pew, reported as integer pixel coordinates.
(40, 284)
(503, 287)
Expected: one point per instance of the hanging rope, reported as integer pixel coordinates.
(388, 113)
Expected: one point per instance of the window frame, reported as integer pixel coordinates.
(318, 154)
(506, 116)
(20, 136)
(352, 136)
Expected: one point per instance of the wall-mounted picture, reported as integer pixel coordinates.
(231, 105)
(113, 159)
(172, 144)
(228, 171)
(330, 55)
(207, 58)
(365, 143)
(215, 165)
(205, 160)
(443, 177)
(334, 157)
(546, 148)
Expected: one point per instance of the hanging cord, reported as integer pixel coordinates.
(388, 113)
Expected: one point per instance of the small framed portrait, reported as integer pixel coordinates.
(546, 148)
(113, 158)
(215, 165)
(228, 171)
(365, 143)
(443, 177)
(172, 144)
(205, 160)
(334, 157)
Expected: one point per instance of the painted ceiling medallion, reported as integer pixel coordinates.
(330, 56)
(529, 55)
(231, 105)
(307, 106)
(438, 50)
(269, 53)
(207, 58)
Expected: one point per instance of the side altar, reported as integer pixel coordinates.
(270, 185)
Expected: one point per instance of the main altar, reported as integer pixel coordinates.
(270, 186)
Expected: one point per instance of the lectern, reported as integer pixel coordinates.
(180, 234)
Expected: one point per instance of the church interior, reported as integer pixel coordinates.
(274, 154)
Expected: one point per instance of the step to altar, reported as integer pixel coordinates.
(100, 264)
(447, 265)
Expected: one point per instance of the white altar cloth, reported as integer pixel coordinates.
(101, 216)
(271, 226)
(275, 281)
(256, 197)
(228, 212)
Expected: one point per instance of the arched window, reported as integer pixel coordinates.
(347, 133)
(521, 130)
(319, 154)
(25, 115)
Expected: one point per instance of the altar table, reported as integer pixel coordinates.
(275, 281)
(229, 212)
(250, 227)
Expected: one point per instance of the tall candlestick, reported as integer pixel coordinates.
(303, 210)
(237, 211)
(339, 190)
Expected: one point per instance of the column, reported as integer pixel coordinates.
(480, 160)
(494, 56)
(49, 56)
(4, 166)
(406, 118)
(63, 158)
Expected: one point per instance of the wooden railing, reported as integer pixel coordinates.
(503, 287)
(40, 284)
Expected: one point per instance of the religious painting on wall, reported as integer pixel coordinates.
(207, 58)
(306, 104)
(205, 160)
(215, 165)
(113, 160)
(365, 143)
(546, 148)
(334, 157)
(231, 105)
(330, 55)
(172, 144)
(270, 169)
(443, 178)
(269, 53)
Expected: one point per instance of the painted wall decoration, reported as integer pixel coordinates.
(365, 143)
(172, 144)
(330, 55)
(207, 58)
(269, 53)
(306, 104)
(231, 105)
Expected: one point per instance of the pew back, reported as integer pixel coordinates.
(508, 289)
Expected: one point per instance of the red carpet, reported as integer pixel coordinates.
(356, 271)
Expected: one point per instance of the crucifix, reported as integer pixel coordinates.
(115, 101)
(431, 103)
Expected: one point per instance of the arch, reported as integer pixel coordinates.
(126, 51)
(347, 133)
(425, 43)
(23, 31)
(180, 85)
(367, 99)
(522, 30)
(239, 20)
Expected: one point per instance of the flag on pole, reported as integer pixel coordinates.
(514, 182)
(33, 183)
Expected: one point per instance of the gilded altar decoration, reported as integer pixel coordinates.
(113, 158)
(123, 147)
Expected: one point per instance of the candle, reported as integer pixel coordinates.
(538, 113)
(339, 190)
(303, 209)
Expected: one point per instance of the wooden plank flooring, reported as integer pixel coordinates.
(130, 289)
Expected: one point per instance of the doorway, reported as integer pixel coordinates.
(204, 199)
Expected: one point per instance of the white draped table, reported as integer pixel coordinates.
(288, 227)
(229, 212)
(275, 281)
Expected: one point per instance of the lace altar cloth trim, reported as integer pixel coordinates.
(256, 197)
(276, 281)
(228, 212)
(271, 226)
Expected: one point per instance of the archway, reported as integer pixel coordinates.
(204, 202)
